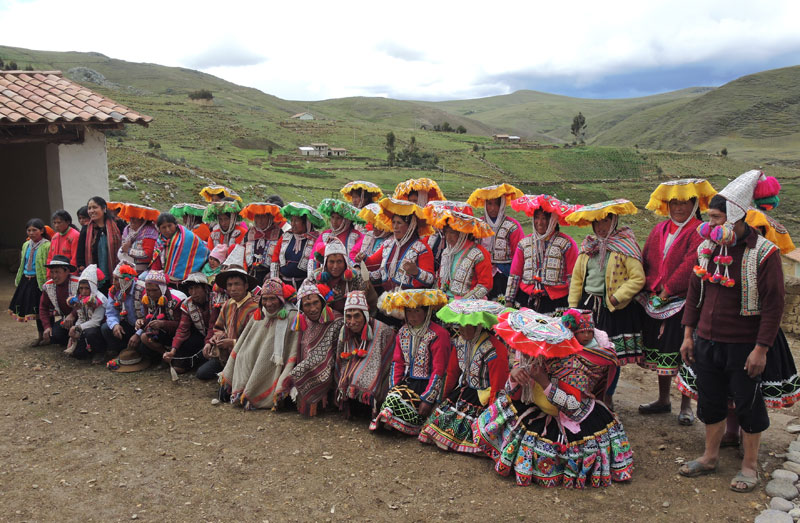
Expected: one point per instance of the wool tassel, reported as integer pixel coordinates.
(146, 300)
(162, 300)
(766, 187)
(257, 315)
(283, 314)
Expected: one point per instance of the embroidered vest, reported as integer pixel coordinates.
(475, 371)
(49, 288)
(304, 257)
(461, 278)
(498, 244)
(352, 238)
(420, 364)
(553, 270)
(195, 314)
(412, 253)
(751, 261)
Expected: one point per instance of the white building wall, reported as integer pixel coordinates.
(84, 170)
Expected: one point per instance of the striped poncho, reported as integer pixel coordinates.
(180, 255)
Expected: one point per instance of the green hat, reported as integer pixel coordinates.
(329, 206)
(179, 210)
(214, 209)
(304, 211)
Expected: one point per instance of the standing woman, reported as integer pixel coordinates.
(376, 232)
(419, 191)
(543, 262)
(178, 251)
(99, 242)
(65, 240)
(31, 275)
(668, 258)
(229, 229)
(139, 236)
(435, 241)
(359, 193)
(507, 231)
(342, 216)
(291, 254)
(608, 274)
(191, 216)
(262, 236)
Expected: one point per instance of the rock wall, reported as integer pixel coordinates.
(791, 314)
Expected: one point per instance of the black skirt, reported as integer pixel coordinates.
(662, 351)
(545, 304)
(623, 326)
(24, 304)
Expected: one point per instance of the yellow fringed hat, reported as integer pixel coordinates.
(210, 190)
(463, 223)
(251, 210)
(597, 211)
(398, 301)
(479, 196)
(370, 214)
(420, 185)
(373, 190)
(133, 210)
(391, 206)
(681, 190)
(775, 232)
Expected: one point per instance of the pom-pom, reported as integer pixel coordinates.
(100, 275)
(146, 299)
(300, 323)
(704, 230)
(112, 364)
(768, 203)
(348, 275)
(345, 355)
(769, 186)
(728, 282)
(258, 315)
(716, 278)
(361, 353)
(162, 300)
(706, 252)
(123, 313)
(149, 317)
(117, 304)
(700, 271)
(283, 314)
(537, 278)
(161, 316)
(570, 319)
(324, 277)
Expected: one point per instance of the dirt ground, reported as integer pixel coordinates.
(79, 443)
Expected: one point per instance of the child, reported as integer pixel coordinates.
(65, 239)
(88, 312)
(83, 216)
(31, 275)
(597, 348)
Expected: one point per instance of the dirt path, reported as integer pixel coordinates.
(81, 443)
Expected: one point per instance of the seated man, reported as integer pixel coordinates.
(53, 303)
(187, 345)
(234, 314)
(120, 322)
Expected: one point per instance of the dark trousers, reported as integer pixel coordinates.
(90, 343)
(210, 369)
(191, 349)
(720, 374)
(114, 344)
(498, 286)
(58, 334)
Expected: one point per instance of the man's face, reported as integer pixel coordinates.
(236, 288)
(354, 320)
(271, 303)
(198, 294)
(312, 306)
(335, 265)
(153, 291)
(716, 217)
(59, 274)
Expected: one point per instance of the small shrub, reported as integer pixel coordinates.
(202, 94)
(724, 151)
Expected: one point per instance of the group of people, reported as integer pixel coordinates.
(416, 314)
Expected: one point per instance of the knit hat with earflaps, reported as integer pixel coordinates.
(307, 288)
(357, 301)
(332, 246)
(747, 187)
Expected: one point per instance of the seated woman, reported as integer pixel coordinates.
(543, 262)
(403, 261)
(477, 370)
(311, 380)
(263, 235)
(139, 236)
(507, 231)
(342, 217)
(363, 358)
(291, 255)
(191, 216)
(375, 232)
(178, 252)
(265, 352)
(419, 362)
(229, 229)
(359, 193)
(88, 312)
(338, 277)
(465, 270)
(548, 427)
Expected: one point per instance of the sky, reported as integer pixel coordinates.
(427, 50)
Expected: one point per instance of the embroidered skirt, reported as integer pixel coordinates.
(529, 446)
(449, 427)
(662, 351)
(780, 384)
(24, 304)
(400, 409)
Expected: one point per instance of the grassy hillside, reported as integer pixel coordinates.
(189, 145)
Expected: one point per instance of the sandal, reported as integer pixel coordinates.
(694, 469)
(655, 408)
(686, 418)
(750, 482)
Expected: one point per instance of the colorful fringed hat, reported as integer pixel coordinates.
(251, 210)
(482, 313)
(681, 190)
(370, 214)
(751, 189)
(398, 301)
(479, 196)
(304, 211)
(433, 209)
(114, 206)
(463, 223)
(774, 231)
(373, 190)
(214, 209)
(391, 206)
(530, 203)
(536, 334)
(210, 190)
(329, 206)
(179, 210)
(584, 216)
(142, 212)
(420, 185)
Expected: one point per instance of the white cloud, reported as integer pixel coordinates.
(416, 49)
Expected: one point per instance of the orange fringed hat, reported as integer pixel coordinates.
(142, 212)
(251, 210)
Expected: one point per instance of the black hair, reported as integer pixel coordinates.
(39, 224)
(275, 200)
(227, 199)
(542, 211)
(83, 212)
(62, 215)
(719, 203)
(165, 217)
(237, 275)
(99, 200)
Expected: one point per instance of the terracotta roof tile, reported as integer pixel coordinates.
(46, 96)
